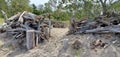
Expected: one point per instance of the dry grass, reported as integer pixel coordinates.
(1, 43)
(66, 22)
(1, 20)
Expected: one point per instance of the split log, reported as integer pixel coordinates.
(104, 22)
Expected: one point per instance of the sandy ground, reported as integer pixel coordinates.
(46, 49)
(54, 48)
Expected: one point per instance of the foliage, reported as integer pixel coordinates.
(3, 6)
(35, 11)
(19, 6)
(62, 9)
(62, 16)
(115, 6)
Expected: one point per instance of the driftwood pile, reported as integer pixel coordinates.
(27, 29)
(58, 24)
(101, 24)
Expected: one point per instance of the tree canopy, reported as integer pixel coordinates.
(62, 9)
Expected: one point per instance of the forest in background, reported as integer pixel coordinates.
(62, 10)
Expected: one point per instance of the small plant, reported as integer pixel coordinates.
(78, 52)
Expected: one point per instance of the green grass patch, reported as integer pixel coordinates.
(78, 52)
(1, 20)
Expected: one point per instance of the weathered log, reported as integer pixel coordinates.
(49, 29)
(17, 29)
(30, 39)
(104, 22)
(97, 30)
(108, 29)
(21, 18)
(101, 24)
(14, 17)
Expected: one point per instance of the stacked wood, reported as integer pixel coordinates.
(100, 24)
(80, 26)
(28, 28)
(58, 24)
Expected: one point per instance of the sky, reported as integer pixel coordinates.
(37, 2)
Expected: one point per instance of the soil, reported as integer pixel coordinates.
(55, 46)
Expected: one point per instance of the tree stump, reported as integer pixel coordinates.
(36, 40)
(30, 39)
(49, 27)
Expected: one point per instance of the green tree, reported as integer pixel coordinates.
(47, 8)
(41, 9)
(114, 6)
(3, 6)
(19, 6)
(35, 10)
(61, 15)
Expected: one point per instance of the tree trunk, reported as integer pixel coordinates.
(104, 7)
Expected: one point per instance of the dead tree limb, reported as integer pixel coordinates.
(5, 16)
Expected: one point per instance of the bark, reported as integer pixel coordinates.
(104, 6)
